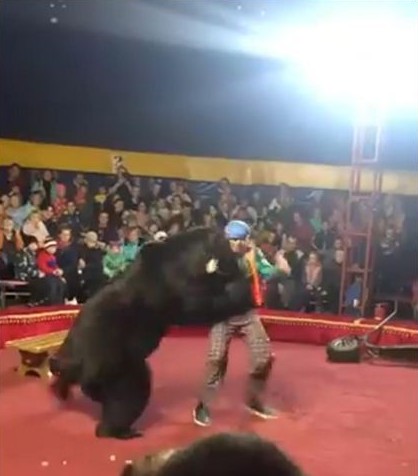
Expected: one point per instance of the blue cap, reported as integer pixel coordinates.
(237, 230)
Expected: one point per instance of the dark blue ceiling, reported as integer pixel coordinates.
(87, 73)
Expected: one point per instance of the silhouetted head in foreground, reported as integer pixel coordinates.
(148, 465)
(227, 455)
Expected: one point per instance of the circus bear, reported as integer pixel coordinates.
(191, 278)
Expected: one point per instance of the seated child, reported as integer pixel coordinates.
(114, 262)
(54, 276)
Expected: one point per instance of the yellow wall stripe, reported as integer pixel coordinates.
(245, 172)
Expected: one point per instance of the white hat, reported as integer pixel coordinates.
(49, 242)
(160, 236)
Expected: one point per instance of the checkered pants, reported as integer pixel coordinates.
(261, 357)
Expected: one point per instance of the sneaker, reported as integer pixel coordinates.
(261, 411)
(201, 415)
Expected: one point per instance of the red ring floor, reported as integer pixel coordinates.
(336, 420)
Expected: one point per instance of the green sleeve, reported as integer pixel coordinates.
(107, 268)
(264, 267)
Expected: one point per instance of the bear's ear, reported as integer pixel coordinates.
(211, 266)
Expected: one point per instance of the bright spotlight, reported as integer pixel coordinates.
(363, 60)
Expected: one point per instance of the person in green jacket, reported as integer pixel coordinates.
(114, 262)
(131, 246)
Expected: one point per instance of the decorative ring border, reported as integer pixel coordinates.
(29, 318)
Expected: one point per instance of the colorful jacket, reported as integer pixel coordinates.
(47, 263)
(258, 268)
(113, 264)
(264, 268)
(25, 265)
(130, 251)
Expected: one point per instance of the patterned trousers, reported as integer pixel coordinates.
(261, 357)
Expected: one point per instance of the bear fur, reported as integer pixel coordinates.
(106, 349)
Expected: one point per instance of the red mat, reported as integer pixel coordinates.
(350, 420)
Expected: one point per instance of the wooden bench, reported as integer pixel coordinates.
(35, 352)
(12, 288)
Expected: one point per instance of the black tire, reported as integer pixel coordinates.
(345, 349)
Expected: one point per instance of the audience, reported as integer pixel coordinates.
(97, 230)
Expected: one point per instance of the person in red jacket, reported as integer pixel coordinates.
(47, 264)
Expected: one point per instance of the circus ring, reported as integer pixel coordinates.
(334, 420)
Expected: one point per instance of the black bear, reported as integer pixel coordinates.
(191, 278)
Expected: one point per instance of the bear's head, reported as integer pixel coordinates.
(168, 268)
(204, 251)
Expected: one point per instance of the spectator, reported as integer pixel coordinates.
(54, 276)
(114, 262)
(26, 269)
(34, 226)
(275, 285)
(316, 219)
(67, 260)
(100, 199)
(223, 216)
(302, 231)
(71, 219)
(122, 186)
(265, 242)
(154, 194)
(388, 251)
(16, 210)
(332, 268)
(81, 196)
(46, 186)
(294, 256)
(35, 201)
(131, 246)
(61, 201)
(90, 265)
(323, 239)
(49, 220)
(352, 298)
(105, 232)
(163, 210)
(136, 196)
(312, 293)
(10, 244)
(280, 238)
(116, 213)
(78, 180)
(16, 182)
(224, 187)
(187, 213)
(290, 290)
(142, 216)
